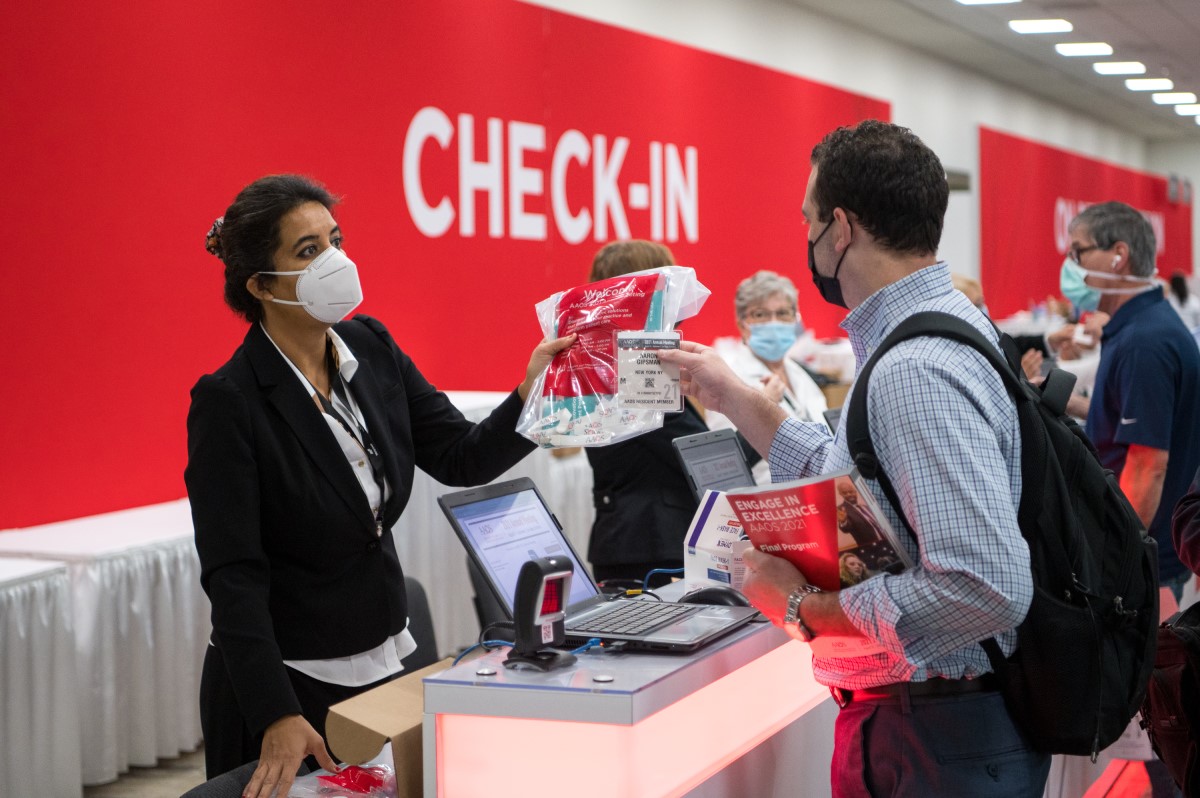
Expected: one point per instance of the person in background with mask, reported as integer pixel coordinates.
(1142, 417)
(301, 450)
(768, 322)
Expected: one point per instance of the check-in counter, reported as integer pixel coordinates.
(741, 716)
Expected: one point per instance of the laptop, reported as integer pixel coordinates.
(504, 525)
(713, 461)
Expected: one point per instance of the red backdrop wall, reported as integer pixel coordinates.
(1030, 192)
(127, 127)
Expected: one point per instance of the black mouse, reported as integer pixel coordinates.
(716, 594)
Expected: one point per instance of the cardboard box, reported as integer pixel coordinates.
(356, 729)
(713, 547)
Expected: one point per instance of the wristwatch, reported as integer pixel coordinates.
(792, 623)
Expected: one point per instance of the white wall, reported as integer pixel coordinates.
(1182, 159)
(941, 102)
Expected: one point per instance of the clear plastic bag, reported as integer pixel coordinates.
(374, 779)
(574, 402)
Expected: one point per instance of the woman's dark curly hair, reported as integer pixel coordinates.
(246, 238)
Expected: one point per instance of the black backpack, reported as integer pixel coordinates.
(1085, 650)
(1171, 711)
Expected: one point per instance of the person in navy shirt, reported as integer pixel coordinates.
(1143, 416)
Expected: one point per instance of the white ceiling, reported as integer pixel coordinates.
(1162, 34)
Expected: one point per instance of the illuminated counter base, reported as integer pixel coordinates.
(741, 717)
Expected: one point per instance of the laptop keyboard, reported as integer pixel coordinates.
(629, 617)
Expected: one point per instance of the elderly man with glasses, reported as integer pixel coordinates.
(1143, 417)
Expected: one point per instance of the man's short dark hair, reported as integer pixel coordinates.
(886, 177)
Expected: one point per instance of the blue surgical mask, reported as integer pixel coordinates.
(1086, 298)
(771, 340)
(1078, 293)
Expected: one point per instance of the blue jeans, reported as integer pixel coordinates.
(926, 747)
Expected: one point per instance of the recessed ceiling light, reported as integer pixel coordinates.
(1149, 84)
(985, 2)
(1173, 98)
(1188, 109)
(1197, 120)
(1041, 26)
(1084, 48)
(1120, 68)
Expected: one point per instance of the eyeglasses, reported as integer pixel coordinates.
(758, 316)
(1075, 253)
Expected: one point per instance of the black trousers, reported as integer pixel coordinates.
(228, 741)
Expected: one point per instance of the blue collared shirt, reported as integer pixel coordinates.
(1145, 395)
(947, 435)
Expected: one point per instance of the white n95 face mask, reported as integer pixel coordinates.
(327, 288)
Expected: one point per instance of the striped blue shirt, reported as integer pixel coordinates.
(946, 433)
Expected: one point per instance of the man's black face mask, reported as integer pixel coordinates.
(830, 288)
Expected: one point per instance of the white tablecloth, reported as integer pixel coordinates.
(1025, 323)
(141, 620)
(430, 551)
(140, 626)
(39, 716)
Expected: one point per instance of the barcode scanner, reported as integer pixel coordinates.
(539, 610)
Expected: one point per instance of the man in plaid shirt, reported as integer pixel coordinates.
(923, 717)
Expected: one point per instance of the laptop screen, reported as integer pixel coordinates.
(509, 530)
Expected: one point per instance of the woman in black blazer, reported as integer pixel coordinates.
(301, 452)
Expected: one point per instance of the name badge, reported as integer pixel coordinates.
(642, 381)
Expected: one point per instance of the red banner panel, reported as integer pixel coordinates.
(484, 149)
(1030, 192)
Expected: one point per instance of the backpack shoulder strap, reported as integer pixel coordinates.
(942, 325)
(1056, 390)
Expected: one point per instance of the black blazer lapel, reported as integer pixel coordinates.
(296, 406)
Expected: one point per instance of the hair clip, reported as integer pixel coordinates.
(212, 241)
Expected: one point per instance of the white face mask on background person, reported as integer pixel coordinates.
(327, 288)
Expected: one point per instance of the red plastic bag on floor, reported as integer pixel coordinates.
(374, 780)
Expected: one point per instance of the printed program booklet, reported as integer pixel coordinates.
(830, 528)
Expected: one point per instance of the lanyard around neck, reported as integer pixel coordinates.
(354, 429)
